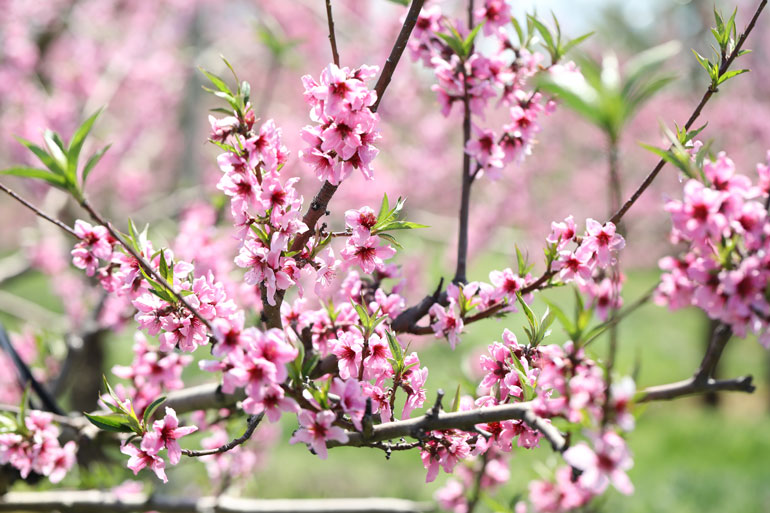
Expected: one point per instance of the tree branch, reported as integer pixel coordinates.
(332, 36)
(702, 381)
(694, 116)
(691, 386)
(88, 501)
(37, 211)
(464, 420)
(321, 200)
(253, 422)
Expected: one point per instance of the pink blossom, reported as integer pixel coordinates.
(145, 457)
(315, 429)
(602, 240)
(605, 464)
(165, 433)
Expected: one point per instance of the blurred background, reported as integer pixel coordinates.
(60, 60)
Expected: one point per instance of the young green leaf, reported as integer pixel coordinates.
(76, 144)
(114, 422)
(150, 410)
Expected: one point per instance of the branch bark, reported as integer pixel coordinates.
(464, 420)
(87, 501)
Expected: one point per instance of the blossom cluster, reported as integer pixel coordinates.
(363, 248)
(35, 447)
(586, 264)
(164, 434)
(255, 361)
(342, 140)
(502, 72)
(722, 220)
(151, 373)
(558, 382)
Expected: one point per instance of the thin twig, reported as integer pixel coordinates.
(465, 193)
(144, 263)
(332, 36)
(253, 422)
(693, 117)
(464, 420)
(37, 211)
(95, 501)
(25, 374)
(479, 476)
(702, 381)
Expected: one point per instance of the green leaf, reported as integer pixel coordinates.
(468, 43)
(310, 364)
(527, 310)
(730, 74)
(56, 150)
(544, 33)
(91, 163)
(42, 155)
(390, 239)
(574, 42)
(397, 225)
(150, 410)
(22, 413)
(114, 422)
(395, 347)
(7, 424)
(76, 144)
(218, 82)
(455, 43)
(565, 321)
(519, 31)
(164, 269)
(456, 401)
(38, 174)
(710, 68)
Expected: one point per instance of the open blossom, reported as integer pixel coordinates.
(562, 233)
(366, 252)
(602, 240)
(603, 465)
(95, 244)
(165, 433)
(484, 149)
(446, 322)
(315, 429)
(444, 449)
(343, 141)
(38, 450)
(574, 265)
(494, 14)
(145, 456)
(560, 496)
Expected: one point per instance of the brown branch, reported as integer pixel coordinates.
(398, 49)
(691, 386)
(464, 420)
(37, 211)
(465, 193)
(702, 381)
(332, 36)
(95, 501)
(321, 200)
(253, 422)
(693, 117)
